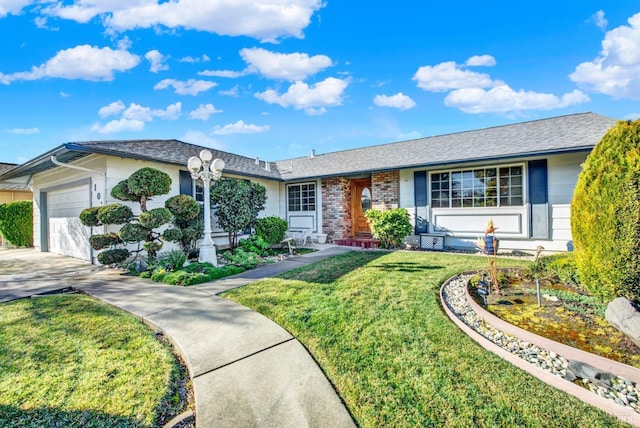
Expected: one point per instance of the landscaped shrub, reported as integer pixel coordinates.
(133, 232)
(113, 256)
(155, 218)
(16, 222)
(605, 215)
(142, 185)
(89, 216)
(187, 223)
(114, 214)
(172, 260)
(241, 258)
(560, 266)
(272, 229)
(195, 273)
(98, 242)
(389, 226)
(237, 204)
(255, 244)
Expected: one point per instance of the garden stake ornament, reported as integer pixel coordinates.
(489, 251)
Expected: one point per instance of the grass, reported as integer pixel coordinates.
(71, 361)
(373, 322)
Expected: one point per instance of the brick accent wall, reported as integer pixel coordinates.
(336, 207)
(385, 189)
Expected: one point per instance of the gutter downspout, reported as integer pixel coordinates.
(56, 162)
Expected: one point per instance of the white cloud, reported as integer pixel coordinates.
(399, 101)
(292, 67)
(266, 20)
(313, 99)
(599, 19)
(240, 128)
(502, 99)
(24, 131)
(12, 7)
(223, 73)
(204, 111)
(134, 117)
(82, 62)
(449, 75)
(201, 139)
(65, 94)
(616, 71)
(193, 60)
(190, 87)
(481, 61)
(157, 61)
(275, 65)
(119, 125)
(632, 116)
(112, 109)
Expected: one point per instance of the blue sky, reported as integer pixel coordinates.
(277, 78)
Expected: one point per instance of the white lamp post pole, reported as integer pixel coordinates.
(204, 169)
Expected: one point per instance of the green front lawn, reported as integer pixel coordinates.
(373, 322)
(71, 361)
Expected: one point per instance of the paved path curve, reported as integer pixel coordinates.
(247, 371)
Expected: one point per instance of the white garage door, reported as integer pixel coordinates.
(67, 235)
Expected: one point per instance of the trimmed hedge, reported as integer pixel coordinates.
(605, 215)
(272, 229)
(389, 226)
(16, 222)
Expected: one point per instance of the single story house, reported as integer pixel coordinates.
(11, 192)
(522, 176)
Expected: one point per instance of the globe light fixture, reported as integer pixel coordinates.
(202, 168)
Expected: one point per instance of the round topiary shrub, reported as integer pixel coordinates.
(114, 214)
(110, 257)
(89, 216)
(98, 242)
(183, 207)
(271, 229)
(605, 215)
(155, 218)
(133, 232)
(149, 182)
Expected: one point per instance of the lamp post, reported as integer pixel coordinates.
(204, 169)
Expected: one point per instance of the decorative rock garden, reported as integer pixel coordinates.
(622, 391)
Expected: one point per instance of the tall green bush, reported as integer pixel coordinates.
(605, 215)
(237, 204)
(187, 226)
(16, 222)
(389, 226)
(272, 229)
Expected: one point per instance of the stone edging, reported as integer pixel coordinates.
(540, 357)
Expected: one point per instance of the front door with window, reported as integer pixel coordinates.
(360, 202)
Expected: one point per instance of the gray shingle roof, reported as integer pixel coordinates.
(6, 167)
(166, 151)
(559, 134)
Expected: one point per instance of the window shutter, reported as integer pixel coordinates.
(186, 183)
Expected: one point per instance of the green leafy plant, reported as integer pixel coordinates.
(389, 226)
(172, 260)
(255, 244)
(113, 256)
(113, 214)
(272, 229)
(142, 185)
(16, 222)
(239, 257)
(605, 215)
(237, 203)
(187, 226)
(99, 242)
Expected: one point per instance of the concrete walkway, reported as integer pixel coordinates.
(247, 371)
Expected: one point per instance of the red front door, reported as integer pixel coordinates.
(360, 202)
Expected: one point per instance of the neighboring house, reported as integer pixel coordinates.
(10, 192)
(521, 175)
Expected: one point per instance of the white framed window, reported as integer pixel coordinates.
(478, 187)
(301, 197)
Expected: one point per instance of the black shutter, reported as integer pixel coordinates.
(186, 184)
(538, 199)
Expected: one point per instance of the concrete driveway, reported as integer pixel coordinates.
(25, 272)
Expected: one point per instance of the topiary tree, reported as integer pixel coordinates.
(16, 222)
(237, 204)
(605, 215)
(389, 226)
(187, 222)
(140, 187)
(272, 229)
